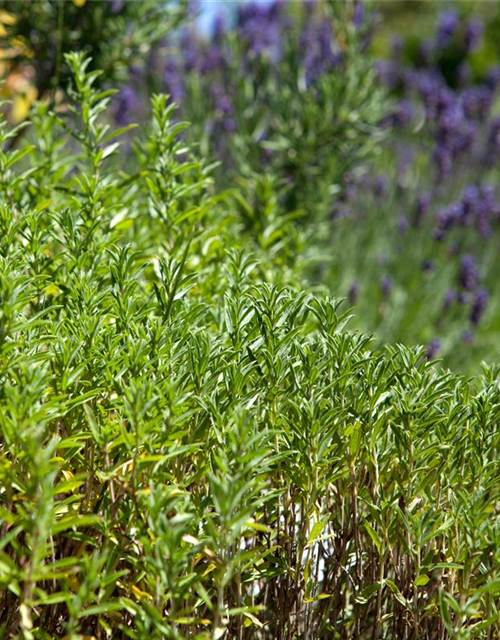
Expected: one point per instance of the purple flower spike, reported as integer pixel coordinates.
(128, 102)
(476, 102)
(467, 337)
(403, 225)
(219, 27)
(260, 27)
(473, 33)
(117, 5)
(386, 286)
(448, 26)
(380, 186)
(493, 77)
(450, 298)
(317, 50)
(422, 206)
(479, 306)
(359, 15)
(173, 79)
(469, 275)
(447, 217)
(492, 151)
(433, 348)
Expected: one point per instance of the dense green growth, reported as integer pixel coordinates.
(192, 446)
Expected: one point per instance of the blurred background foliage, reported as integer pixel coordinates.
(35, 35)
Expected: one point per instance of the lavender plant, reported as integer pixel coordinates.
(427, 213)
(290, 102)
(286, 91)
(192, 445)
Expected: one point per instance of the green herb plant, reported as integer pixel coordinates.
(192, 445)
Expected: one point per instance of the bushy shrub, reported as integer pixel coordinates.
(193, 446)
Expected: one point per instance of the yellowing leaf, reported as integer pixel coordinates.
(79, 3)
(255, 620)
(68, 475)
(211, 567)
(139, 594)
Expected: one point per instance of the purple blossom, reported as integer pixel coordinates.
(117, 5)
(492, 151)
(380, 185)
(212, 60)
(128, 102)
(260, 27)
(316, 47)
(478, 206)
(479, 306)
(422, 207)
(469, 275)
(386, 286)
(192, 54)
(223, 107)
(467, 337)
(476, 102)
(446, 218)
(454, 134)
(173, 82)
(474, 29)
(493, 77)
(447, 27)
(359, 15)
(219, 27)
(450, 297)
(469, 204)
(403, 225)
(487, 209)
(433, 349)
(435, 95)
(389, 73)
